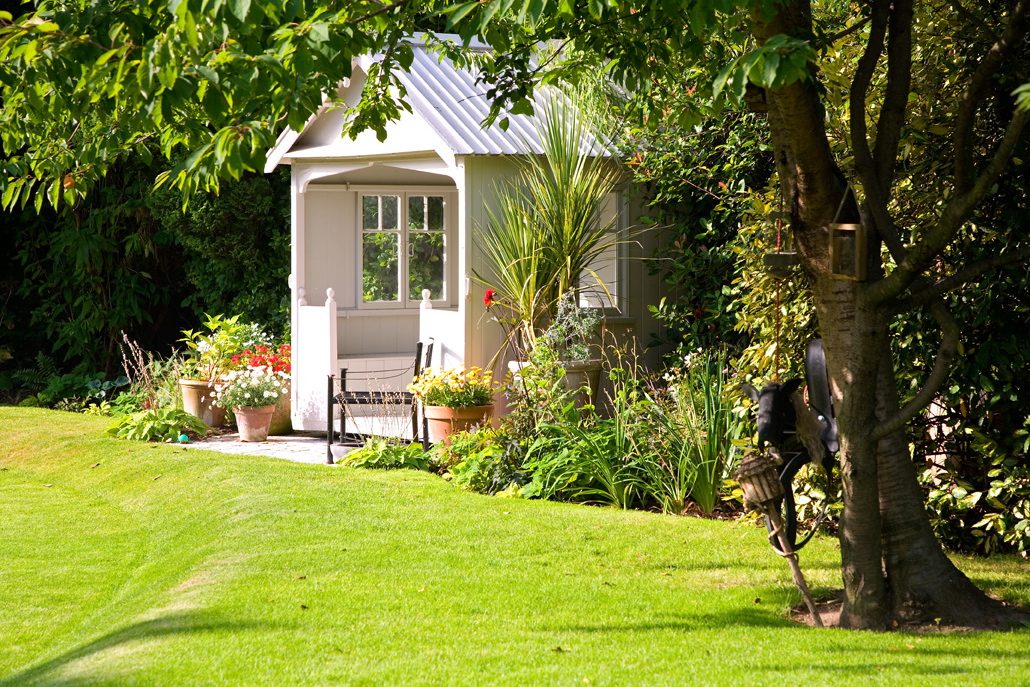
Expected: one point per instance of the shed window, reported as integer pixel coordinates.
(403, 248)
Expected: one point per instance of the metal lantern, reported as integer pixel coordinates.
(848, 251)
(758, 479)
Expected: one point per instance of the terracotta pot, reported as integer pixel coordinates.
(282, 423)
(580, 375)
(198, 399)
(253, 422)
(444, 421)
(583, 376)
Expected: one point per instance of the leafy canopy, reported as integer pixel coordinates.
(212, 82)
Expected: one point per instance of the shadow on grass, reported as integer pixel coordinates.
(746, 617)
(173, 624)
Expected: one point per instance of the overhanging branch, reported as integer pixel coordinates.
(963, 276)
(938, 375)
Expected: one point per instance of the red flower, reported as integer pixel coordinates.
(488, 298)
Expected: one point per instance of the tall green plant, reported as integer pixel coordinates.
(547, 230)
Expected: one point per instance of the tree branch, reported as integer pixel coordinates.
(954, 216)
(977, 91)
(844, 33)
(938, 375)
(867, 168)
(964, 275)
(899, 82)
(857, 102)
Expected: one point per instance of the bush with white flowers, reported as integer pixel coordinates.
(250, 388)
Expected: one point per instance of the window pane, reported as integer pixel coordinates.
(391, 204)
(426, 265)
(380, 273)
(416, 213)
(370, 212)
(435, 213)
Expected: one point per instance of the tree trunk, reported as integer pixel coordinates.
(892, 566)
(924, 585)
(851, 332)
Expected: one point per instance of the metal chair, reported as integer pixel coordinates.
(345, 397)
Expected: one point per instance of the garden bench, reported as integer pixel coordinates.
(345, 398)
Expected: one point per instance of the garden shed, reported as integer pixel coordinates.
(384, 247)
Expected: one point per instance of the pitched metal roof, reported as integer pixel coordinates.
(454, 105)
(450, 101)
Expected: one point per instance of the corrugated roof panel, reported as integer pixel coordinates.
(454, 105)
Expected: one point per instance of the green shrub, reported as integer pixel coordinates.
(485, 460)
(981, 502)
(383, 453)
(157, 424)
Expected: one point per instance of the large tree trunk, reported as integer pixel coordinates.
(924, 585)
(893, 568)
(851, 333)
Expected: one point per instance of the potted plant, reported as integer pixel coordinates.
(570, 337)
(208, 356)
(454, 400)
(277, 359)
(251, 394)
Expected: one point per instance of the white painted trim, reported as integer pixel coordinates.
(450, 233)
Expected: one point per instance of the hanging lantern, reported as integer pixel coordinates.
(848, 251)
(848, 245)
(758, 479)
(778, 264)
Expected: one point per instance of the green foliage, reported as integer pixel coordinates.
(545, 235)
(126, 259)
(481, 461)
(383, 453)
(73, 391)
(697, 185)
(97, 269)
(235, 247)
(209, 351)
(157, 424)
(979, 499)
(700, 432)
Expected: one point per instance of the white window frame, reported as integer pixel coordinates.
(618, 309)
(449, 244)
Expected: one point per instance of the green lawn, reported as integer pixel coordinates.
(129, 564)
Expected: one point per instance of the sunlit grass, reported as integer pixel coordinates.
(130, 564)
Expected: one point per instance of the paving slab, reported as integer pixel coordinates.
(296, 447)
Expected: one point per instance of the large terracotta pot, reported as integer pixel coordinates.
(253, 422)
(583, 376)
(198, 399)
(443, 421)
(281, 421)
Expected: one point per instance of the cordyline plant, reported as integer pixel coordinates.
(84, 84)
(547, 232)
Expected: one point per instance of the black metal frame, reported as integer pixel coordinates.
(344, 398)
